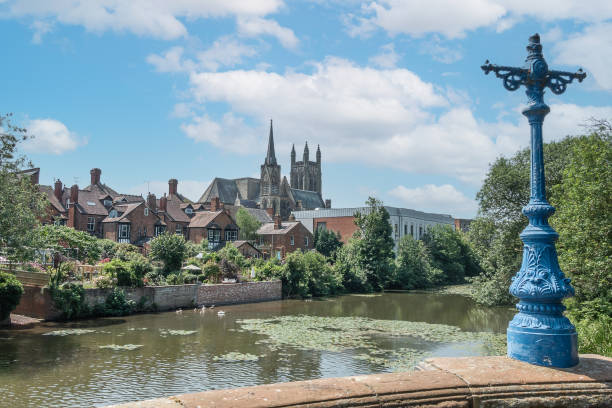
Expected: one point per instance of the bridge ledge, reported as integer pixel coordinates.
(441, 382)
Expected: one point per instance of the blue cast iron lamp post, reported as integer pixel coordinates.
(539, 333)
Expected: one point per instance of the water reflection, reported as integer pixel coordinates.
(53, 371)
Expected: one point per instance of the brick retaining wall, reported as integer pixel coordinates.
(37, 302)
(232, 293)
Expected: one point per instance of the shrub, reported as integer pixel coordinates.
(154, 278)
(10, 294)
(139, 265)
(233, 255)
(211, 271)
(117, 305)
(104, 282)
(128, 273)
(413, 269)
(69, 298)
(170, 249)
(108, 248)
(175, 278)
(190, 278)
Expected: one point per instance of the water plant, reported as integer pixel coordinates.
(235, 356)
(68, 332)
(122, 347)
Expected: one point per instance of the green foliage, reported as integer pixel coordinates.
(327, 242)
(247, 224)
(10, 294)
(308, 274)
(192, 249)
(584, 218)
(268, 270)
(124, 251)
(117, 305)
(232, 254)
(108, 248)
(175, 278)
(72, 243)
(154, 278)
(349, 266)
(122, 271)
(450, 253)
(69, 298)
(190, 278)
(105, 282)
(170, 249)
(21, 204)
(372, 253)
(211, 271)
(413, 269)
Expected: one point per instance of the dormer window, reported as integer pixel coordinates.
(108, 203)
(189, 210)
(112, 214)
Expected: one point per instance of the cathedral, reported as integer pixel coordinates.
(271, 190)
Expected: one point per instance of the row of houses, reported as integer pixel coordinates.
(103, 212)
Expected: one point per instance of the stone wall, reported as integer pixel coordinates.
(37, 302)
(484, 382)
(232, 293)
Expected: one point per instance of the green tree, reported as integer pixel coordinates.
(327, 242)
(413, 269)
(21, 204)
(367, 262)
(307, 274)
(450, 253)
(10, 294)
(170, 249)
(74, 244)
(247, 223)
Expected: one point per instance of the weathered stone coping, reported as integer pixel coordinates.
(480, 382)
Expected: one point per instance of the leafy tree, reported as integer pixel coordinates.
(232, 254)
(327, 242)
(10, 294)
(170, 249)
(247, 223)
(450, 253)
(21, 204)
(413, 269)
(72, 243)
(349, 266)
(584, 220)
(108, 248)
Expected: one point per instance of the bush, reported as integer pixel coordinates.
(124, 251)
(108, 248)
(232, 254)
(117, 305)
(124, 272)
(170, 249)
(154, 278)
(190, 278)
(175, 278)
(10, 294)
(69, 298)
(104, 282)
(139, 265)
(413, 269)
(211, 271)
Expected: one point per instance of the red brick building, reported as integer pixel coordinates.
(216, 226)
(133, 223)
(247, 249)
(277, 239)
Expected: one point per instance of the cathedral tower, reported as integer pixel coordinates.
(270, 178)
(305, 174)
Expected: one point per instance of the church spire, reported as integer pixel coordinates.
(293, 154)
(306, 153)
(318, 154)
(271, 157)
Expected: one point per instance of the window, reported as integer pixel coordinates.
(412, 230)
(112, 214)
(292, 240)
(278, 255)
(231, 235)
(91, 224)
(146, 212)
(108, 203)
(159, 229)
(420, 231)
(124, 231)
(67, 203)
(91, 203)
(306, 241)
(188, 210)
(214, 235)
(396, 231)
(261, 240)
(144, 231)
(321, 226)
(179, 229)
(405, 229)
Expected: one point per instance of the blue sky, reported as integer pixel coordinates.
(392, 90)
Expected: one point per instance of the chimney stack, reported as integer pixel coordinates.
(152, 202)
(328, 203)
(270, 212)
(58, 190)
(215, 204)
(172, 186)
(95, 176)
(163, 203)
(277, 222)
(74, 194)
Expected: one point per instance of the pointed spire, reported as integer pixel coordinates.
(306, 153)
(318, 154)
(271, 157)
(293, 154)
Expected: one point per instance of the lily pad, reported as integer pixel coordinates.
(68, 332)
(117, 347)
(167, 332)
(235, 356)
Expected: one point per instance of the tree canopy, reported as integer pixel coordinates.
(247, 224)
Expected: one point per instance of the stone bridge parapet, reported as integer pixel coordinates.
(479, 382)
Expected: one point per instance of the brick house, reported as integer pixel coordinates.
(216, 226)
(174, 209)
(247, 249)
(132, 223)
(280, 238)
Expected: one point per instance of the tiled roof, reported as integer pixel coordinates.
(175, 208)
(268, 229)
(50, 193)
(259, 214)
(203, 218)
(310, 199)
(89, 203)
(228, 190)
(125, 209)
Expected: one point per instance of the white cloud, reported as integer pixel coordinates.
(381, 117)
(50, 136)
(256, 26)
(453, 19)
(40, 29)
(191, 189)
(444, 199)
(155, 18)
(439, 52)
(171, 61)
(591, 49)
(387, 58)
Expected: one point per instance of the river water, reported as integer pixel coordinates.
(111, 360)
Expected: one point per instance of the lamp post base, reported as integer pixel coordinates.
(541, 347)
